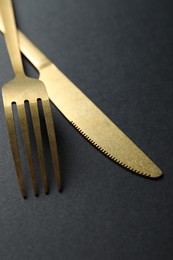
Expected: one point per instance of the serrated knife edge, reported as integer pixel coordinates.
(124, 151)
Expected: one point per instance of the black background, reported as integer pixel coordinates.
(120, 54)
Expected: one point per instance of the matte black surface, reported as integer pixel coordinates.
(120, 54)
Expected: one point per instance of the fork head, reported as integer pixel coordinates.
(18, 91)
(23, 88)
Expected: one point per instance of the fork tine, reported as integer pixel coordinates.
(38, 138)
(52, 140)
(26, 139)
(14, 146)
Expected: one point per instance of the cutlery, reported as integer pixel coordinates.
(19, 91)
(88, 119)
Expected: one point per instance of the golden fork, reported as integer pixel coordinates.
(18, 91)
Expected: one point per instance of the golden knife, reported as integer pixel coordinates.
(91, 122)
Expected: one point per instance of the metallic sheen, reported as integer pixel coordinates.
(86, 117)
(18, 91)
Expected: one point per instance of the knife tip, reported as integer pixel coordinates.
(157, 173)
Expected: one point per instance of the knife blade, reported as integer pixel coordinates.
(85, 116)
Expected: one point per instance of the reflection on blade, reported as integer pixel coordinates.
(94, 125)
(86, 117)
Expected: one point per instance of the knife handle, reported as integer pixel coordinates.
(33, 54)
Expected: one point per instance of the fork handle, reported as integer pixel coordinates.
(11, 36)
